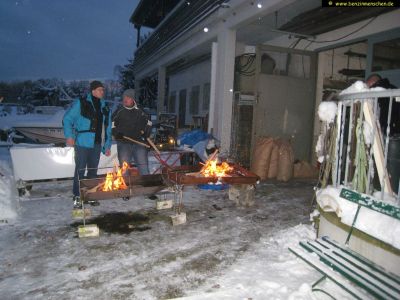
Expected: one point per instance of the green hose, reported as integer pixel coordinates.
(360, 177)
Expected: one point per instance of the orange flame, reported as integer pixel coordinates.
(115, 180)
(211, 169)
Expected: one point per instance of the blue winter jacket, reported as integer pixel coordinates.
(74, 122)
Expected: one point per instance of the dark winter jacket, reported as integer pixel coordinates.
(384, 109)
(80, 122)
(131, 122)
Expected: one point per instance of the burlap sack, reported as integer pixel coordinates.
(274, 161)
(303, 169)
(285, 162)
(261, 157)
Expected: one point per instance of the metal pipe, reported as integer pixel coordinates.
(338, 120)
(359, 121)
(343, 117)
(346, 174)
(386, 147)
(367, 95)
(213, 88)
(370, 171)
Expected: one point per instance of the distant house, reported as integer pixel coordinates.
(254, 68)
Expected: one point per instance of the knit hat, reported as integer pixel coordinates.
(129, 93)
(95, 84)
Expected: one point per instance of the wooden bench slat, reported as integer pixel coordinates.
(328, 272)
(364, 280)
(370, 268)
(362, 259)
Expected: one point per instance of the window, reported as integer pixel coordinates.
(194, 100)
(206, 96)
(285, 64)
(386, 55)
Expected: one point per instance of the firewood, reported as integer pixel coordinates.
(196, 174)
(153, 146)
(135, 141)
(94, 189)
(211, 158)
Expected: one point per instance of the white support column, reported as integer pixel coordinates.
(224, 87)
(161, 89)
(214, 49)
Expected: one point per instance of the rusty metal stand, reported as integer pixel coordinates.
(85, 230)
(180, 216)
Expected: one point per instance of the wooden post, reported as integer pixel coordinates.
(136, 142)
(377, 147)
(153, 146)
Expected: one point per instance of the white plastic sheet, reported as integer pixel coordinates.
(42, 162)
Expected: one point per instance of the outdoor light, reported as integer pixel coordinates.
(259, 5)
(205, 29)
(231, 90)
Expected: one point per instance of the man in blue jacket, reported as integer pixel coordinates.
(87, 127)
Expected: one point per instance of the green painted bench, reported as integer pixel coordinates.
(349, 270)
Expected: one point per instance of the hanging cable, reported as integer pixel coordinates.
(345, 36)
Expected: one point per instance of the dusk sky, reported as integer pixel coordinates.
(67, 39)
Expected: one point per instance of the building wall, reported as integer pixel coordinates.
(384, 26)
(196, 75)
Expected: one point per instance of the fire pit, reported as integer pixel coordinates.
(193, 175)
(115, 185)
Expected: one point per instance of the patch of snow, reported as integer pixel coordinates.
(356, 87)
(360, 86)
(8, 194)
(222, 252)
(377, 89)
(369, 221)
(221, 244)
(267, 271)
(388, 198)
(314, 214)
(368, 134)
(319, 148)
(327, 111)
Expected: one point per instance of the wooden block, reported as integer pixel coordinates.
(90, 230)
(378, 147)
(242, 194)
(164, 204)
(79, 213)
(178, 219)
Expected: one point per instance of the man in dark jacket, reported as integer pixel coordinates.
(131, 123)
(87, 127)
(375, 80)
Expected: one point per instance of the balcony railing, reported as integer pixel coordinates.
(365, 142)
(184, 17)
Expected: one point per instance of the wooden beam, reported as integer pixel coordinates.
(377, 148)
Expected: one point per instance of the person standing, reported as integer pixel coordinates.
(87, 127)
(129, 123)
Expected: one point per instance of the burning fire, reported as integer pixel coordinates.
(211, 169)
(114, 179)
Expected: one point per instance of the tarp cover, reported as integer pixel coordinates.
(42, 162)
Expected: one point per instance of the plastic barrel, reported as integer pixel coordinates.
(393, 162)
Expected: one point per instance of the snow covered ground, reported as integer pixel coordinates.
(222, 252)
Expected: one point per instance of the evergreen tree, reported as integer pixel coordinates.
(126, 76)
